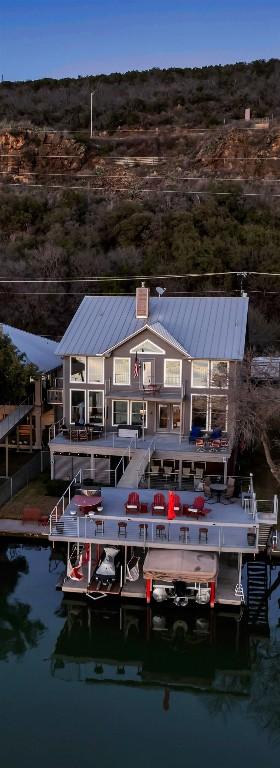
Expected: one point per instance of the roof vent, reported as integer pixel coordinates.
(142, 302)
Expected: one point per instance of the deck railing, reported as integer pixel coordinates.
(13, 418)
(56, 428)
(110, 529)
(55, 396)
(268, 506)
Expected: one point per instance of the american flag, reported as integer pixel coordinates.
(136, 369)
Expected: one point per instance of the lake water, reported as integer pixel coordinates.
(85, 685)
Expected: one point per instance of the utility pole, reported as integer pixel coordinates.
(91, 113)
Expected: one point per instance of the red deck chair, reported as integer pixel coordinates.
(198, 503)
(177, 504)
(133, 503)
(159, 504)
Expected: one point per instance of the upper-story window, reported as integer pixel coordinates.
(219, 374)
(200, 373)
(78, 369)
(172, 373)
(121, 370)
(96, 370)
(213, 374)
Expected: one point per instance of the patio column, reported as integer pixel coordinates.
(89, 564)
(212, 593)
(148, 590)
(7, 454)
(225, 471)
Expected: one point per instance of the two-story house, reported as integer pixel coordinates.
(159, 365)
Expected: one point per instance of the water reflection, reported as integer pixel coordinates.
(136, 646)
(18, 631)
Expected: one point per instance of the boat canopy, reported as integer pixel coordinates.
(180, 565)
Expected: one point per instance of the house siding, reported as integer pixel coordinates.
(134, 391)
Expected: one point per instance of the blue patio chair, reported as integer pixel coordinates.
(195, 433)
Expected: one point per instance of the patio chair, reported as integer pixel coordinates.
(168, 470)
(199, 472)
(159, 504)
(74, 435)
(154, 469)
(83, 435)
(215, 445)
(177, 504)
(199, 444)
(198, 503)
(133, 503)
(194, 434)
(207, 487)
(186, 471)
(227, 496)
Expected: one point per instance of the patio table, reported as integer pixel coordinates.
(87, 503)
(218, 488)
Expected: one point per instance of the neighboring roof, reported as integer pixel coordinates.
(210, 328)
(180, 564)
(38, 350)
(265, 368)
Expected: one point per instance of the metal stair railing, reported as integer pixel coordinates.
(11, 421)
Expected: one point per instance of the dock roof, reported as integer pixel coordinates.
(201, 327)
(38, 350)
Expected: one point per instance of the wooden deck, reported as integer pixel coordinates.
(227, 580)
(227, 525)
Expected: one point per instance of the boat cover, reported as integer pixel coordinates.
(180, 565)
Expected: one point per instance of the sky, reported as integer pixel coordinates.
(60, 38)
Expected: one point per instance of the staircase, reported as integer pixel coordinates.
(14, 418)
(264, 536)
(136, 467)
(130, 477)
(257, 602)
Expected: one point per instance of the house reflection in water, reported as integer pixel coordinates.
(135, 646)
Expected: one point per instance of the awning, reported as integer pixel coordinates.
(180, 565)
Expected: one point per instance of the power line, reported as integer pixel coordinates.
(109, 278)
(92, 175)
(134, 191)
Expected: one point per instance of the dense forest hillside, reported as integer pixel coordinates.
(71, 235)
(183, 186)
(176, 96)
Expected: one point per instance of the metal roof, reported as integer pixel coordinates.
(204, 328)
(38, 350)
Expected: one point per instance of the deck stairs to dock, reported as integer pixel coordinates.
(14, 418)
(136, 467)
(257, 601)
(130, 477)
(265, 536)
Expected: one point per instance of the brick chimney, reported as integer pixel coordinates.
(142, 302)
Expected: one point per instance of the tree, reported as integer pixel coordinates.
(256, 408)
(15, 372)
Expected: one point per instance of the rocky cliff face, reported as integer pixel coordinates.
(138, 160)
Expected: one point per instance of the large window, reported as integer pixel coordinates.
(172, 373)
(96, 370)
(120, 412)
(78, 369)
(199, 411)
(213, 374)
(138, 413)
(121, 370)
(219, 374)
(218, 412)
(200, 373)
(77, 406)
(95, 407)
(209, 412)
